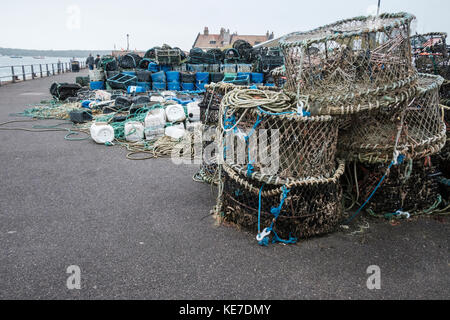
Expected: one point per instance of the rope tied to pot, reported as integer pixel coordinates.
(263, 237)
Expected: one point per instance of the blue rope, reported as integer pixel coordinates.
(276, 211)
(400, 160)
(264, 242)
(277, 239)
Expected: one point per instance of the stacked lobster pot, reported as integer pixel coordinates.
(352, 95)
(361, 72)
(431, 56)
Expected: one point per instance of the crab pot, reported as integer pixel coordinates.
(351, 65)
(410, 187)
(417, 124)
(309, 210)
(285, 146)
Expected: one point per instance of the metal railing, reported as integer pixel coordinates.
(20, 73)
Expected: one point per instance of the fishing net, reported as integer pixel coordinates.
(311, 208)
(414, 128)
(409, 187)
(352, 65)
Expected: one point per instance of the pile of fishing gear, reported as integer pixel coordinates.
(352, 98)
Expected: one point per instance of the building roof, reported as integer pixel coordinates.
(253, 40)
(204, 41)
(225, 39)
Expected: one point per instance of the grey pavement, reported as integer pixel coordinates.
(143, 230)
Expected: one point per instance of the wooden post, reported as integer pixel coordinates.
(23, 73)
(40, 68)
(53, 68)
(32, 72)
(48, 72)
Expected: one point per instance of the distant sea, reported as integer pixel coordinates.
(6, 63)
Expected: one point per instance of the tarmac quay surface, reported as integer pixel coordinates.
(142, 230)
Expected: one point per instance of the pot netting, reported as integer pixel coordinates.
(414, 128)
(260, 132)
(352, 65)
(282, 147)
(409, 187)
(312, 208)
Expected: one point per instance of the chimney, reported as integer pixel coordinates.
(206, 31)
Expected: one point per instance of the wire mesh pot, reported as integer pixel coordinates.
(282, 146)
(411, 187)
(415, 129)
(352, 65)
(312, 208)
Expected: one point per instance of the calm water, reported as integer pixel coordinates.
(6, 63)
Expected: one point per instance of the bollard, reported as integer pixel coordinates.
(13, 75)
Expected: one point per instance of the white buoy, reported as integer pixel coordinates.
(102, 133)
(155, 123)
(156, 118)
(134, 131)
(175, 132)
(193, 111)
(175, 113)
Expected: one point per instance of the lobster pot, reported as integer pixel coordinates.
(283, 146)
(312, 208)
(351, 65)
(417, 125)
(209, 107)
(410, 187)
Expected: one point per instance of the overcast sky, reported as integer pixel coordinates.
(101, 24)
